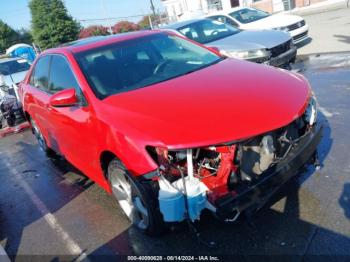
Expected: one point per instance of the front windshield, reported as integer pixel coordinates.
(248, 15)
(141, 62)
(206, 31)
(14, 66)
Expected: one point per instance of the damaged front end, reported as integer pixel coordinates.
(230, 178)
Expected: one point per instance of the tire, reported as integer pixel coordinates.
(11, 120)
(41, 140)
(136, 199)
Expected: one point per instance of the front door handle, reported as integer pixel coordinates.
(48, 107)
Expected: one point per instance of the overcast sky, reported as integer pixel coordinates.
(16, 12)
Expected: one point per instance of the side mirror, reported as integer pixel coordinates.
(64, 98)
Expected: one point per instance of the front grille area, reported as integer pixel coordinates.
(296, 25)
(297, 37)
(260, 154)
(280, 49)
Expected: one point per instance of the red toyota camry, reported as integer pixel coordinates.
(170, 127)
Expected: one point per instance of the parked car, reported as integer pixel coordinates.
(271, 47)
(248, 18)
(11, 111)
(168, 126)
(12, 72)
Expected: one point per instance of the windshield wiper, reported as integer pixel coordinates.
(204, 66)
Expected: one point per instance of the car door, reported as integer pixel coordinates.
(72, 125)
(37, 96)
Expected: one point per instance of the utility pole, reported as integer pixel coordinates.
(106, 15)
(153, 8)
(154, 14)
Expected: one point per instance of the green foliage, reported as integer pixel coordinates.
(144, 23)
(93, 30)
(51, 23)
(8, 36)
(124, 26)
(24, 36)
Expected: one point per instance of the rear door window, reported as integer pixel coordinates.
(40, 75)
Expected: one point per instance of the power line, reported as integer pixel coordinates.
(112, 18)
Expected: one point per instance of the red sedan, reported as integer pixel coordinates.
(169, 127)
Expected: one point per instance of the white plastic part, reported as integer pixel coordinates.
(171, 202)
(2, 80)
(196, 195)
(172, 195)
(311, 111)
(190, 163)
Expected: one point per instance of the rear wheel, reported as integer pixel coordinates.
(41, 140)
(11, 119)
(135, 199)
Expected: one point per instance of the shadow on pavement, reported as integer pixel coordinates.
(343, 38)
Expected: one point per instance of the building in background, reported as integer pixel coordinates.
(186, 9)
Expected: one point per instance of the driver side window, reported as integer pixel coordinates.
(62, 77)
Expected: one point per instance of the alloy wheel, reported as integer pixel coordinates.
(39, 136)
(130, 202)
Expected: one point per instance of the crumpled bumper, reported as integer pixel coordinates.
(278, 61)
(258, 194)
(285, 58)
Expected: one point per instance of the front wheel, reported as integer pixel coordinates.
(135, 199)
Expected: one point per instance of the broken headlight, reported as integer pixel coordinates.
(310, 115)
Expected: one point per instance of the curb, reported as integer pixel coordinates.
(13, 130)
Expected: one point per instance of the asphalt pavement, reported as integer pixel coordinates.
(50, 211)
(329, 29)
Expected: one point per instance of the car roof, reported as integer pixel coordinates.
(178, 25)
(228, 11)
(97, 41)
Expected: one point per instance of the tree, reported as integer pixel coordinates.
(144, 23)
(25, 36)
(8, 36)
(156, 20)
(124, 26)
(93, 30)
(51, 23)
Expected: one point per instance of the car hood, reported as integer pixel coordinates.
(251, 40)
(272, 21)
(228, 101)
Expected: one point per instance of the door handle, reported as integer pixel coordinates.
(48, 107)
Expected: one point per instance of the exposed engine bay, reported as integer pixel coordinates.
(203, 175)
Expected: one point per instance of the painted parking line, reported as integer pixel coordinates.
(70, 244)
(3, 255)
